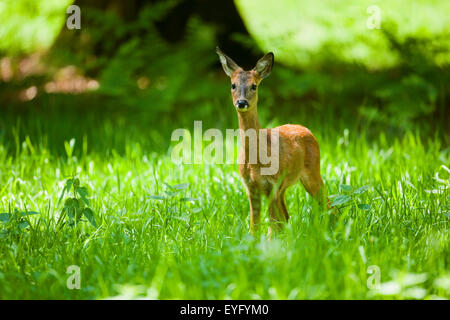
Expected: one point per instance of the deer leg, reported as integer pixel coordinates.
(255, 211)
(282, 205)
(313, 183)
(278, 213)
(273, 216)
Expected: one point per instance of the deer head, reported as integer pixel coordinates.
(244, 84)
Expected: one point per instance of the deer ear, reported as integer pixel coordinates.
(264, 65)
(228, 65)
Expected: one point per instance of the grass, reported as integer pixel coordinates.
(201, 249)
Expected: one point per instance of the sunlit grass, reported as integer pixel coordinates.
(191, 249)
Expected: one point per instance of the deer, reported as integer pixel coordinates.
(298, 149)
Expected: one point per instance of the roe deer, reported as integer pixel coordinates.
(298, 150)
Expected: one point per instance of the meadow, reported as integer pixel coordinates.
(88, 187)
(166, 231)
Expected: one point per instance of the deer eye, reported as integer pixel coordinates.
(233, 86)
(253, 87)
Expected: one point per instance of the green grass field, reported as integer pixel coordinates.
(179, 248)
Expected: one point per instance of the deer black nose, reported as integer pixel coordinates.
(242, 104)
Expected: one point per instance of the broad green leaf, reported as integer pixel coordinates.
(346, 187)
(71, 212)
(89, 214)
(171, 193)
(71, 203)
(181, 186)
(188, 199)
(5, 217)
(182, 218)
(69, 184)
(66, 188)
(364, 206)
(157, 197)
(28, 213)
(168, 185)
(340, 200)
(361, 190)
(83, 192)
(71, 207)
(23, 224)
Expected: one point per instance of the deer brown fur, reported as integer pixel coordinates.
(298, 150)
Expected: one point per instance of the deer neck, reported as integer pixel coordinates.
(248, 121)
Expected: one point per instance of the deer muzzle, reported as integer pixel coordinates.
(242, 104)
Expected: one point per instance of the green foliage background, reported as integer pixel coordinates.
(29, 25)
(311, 33)
(377, 101)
